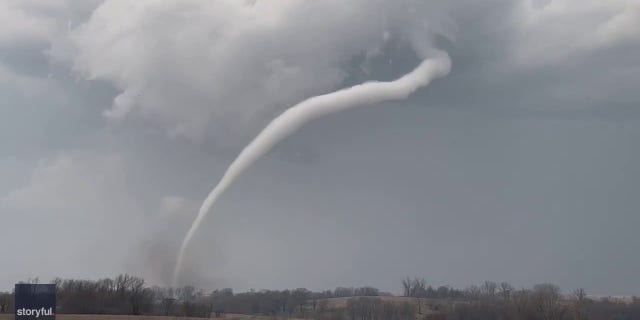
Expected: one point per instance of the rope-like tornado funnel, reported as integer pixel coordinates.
(310, 109)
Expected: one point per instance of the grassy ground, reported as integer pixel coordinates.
(124, 317)
(422, 303)
(103, 317)
(342, 302)
(332, 302)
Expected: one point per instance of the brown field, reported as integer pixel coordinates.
(125, 317)
(342, 301)
(332, 302)
(423, 304)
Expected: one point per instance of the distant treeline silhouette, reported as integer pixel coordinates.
(129, 295)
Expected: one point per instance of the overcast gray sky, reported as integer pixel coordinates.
(118, 117)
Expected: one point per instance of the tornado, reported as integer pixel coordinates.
(292, 119)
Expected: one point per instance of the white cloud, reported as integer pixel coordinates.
(560, 29)
(24, 21)
(194, 67)
(221, 69)
(17, 25)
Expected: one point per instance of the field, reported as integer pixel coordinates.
(422, 304)
(332, 302)
(125, 317)
(342, 302)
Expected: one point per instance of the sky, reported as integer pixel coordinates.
(117, 118)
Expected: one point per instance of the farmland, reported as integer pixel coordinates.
(128, 317)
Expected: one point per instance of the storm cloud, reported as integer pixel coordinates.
(118, 117)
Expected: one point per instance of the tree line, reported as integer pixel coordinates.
(502, 301)
(542, 302)
(130, 295)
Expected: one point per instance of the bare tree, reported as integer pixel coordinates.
(406, 286)
(505, 290)
(580, 295)
(6, 302)
(578, 304)
(136, 294)
(545, 299)
(488, 288)
(418, 287)
(473, 292)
